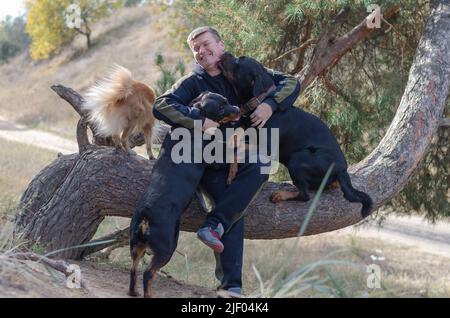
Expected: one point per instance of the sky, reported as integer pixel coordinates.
(11, 7)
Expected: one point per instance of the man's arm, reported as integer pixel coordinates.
(288, 90)
(171, 107)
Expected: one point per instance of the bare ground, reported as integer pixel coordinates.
(30, 279)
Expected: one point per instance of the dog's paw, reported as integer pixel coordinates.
(131, 153)
(276, 197)
(120, 149)
(281, 195)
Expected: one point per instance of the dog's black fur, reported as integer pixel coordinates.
(155, 223)
(307, 145)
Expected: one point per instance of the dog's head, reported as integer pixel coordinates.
(216, 107)
(246, 74)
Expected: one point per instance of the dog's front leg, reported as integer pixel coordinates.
(233, 171)
(118, 143)
(234, 142)
(124, 139)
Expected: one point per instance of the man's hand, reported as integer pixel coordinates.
(261, 114)
(210, 126)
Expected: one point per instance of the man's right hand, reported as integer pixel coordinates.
(210, 126)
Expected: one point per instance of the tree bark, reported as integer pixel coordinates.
(65, 202)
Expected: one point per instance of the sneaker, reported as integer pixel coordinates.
(211, 237)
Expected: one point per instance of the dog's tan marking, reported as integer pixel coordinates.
(281, 195)
(334, 185)
(143, 226)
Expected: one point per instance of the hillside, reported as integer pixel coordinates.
(132, 37)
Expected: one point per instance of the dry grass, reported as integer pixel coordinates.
(18, 164)
(405, 272)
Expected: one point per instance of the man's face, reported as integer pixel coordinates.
(207, 50)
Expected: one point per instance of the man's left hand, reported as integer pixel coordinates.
(261, 114)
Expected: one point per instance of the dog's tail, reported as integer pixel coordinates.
(353, 195)
(103, 101)
(139, 227)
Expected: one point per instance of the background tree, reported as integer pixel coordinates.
(359, 95)
(168, 75)
(47, 22)
(13, 38)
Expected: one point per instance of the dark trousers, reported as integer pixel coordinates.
(230, 202)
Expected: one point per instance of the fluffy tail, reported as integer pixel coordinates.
(102, 100)
(353, 195)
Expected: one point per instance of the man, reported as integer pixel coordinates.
(224, 237)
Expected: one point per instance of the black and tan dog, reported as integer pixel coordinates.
(155, 223)
(307, 145)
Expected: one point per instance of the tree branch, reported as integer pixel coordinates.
(299, 49)
(329, 51)
(59, 265)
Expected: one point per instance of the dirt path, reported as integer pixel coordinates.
(20, 133)
(412, 231)
(107, 281)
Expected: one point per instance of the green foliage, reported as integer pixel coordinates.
(13, 38)
(168, 76)
(132, 3)
(47, 22)
(430, 192)
(360, 95)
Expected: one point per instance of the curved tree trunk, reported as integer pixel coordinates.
(65, 202)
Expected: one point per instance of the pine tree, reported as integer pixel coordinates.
(357, 97)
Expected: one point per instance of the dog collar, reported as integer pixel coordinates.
(256, 101)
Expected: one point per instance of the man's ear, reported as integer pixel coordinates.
(261, 84)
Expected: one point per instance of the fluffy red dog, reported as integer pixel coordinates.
(118, 106)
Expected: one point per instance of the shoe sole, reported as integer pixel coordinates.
(216, 248)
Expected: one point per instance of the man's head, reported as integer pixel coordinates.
(207, 47)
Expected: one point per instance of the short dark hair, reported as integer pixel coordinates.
(203, 29)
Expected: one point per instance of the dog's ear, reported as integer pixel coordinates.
(262, 82)
(198, 98)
